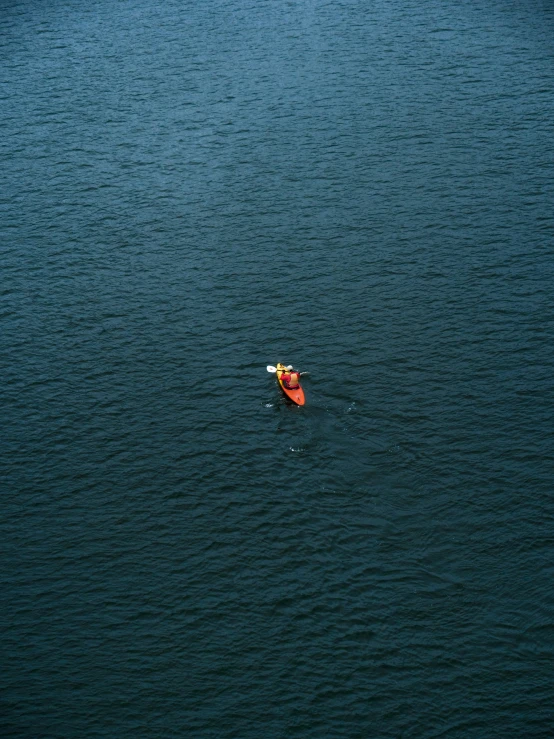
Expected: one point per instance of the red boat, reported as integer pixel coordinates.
(296, 395)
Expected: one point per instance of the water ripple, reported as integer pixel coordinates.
(191, 193)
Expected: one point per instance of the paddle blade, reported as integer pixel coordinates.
(271, 368)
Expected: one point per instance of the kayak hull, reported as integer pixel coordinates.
(296, 395)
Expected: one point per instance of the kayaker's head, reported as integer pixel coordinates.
(289, 368)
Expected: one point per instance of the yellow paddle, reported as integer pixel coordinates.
(271, 368)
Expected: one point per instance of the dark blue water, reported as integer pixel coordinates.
(192, 191)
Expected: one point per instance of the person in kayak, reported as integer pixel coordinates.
(291, 378)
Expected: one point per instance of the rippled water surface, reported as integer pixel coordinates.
(192, 191)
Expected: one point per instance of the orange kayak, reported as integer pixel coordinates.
(296, 395)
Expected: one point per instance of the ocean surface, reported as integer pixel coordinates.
(191, 191)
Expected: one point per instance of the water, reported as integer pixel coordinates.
(192, 191)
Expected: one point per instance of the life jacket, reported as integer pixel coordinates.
(291, 380)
